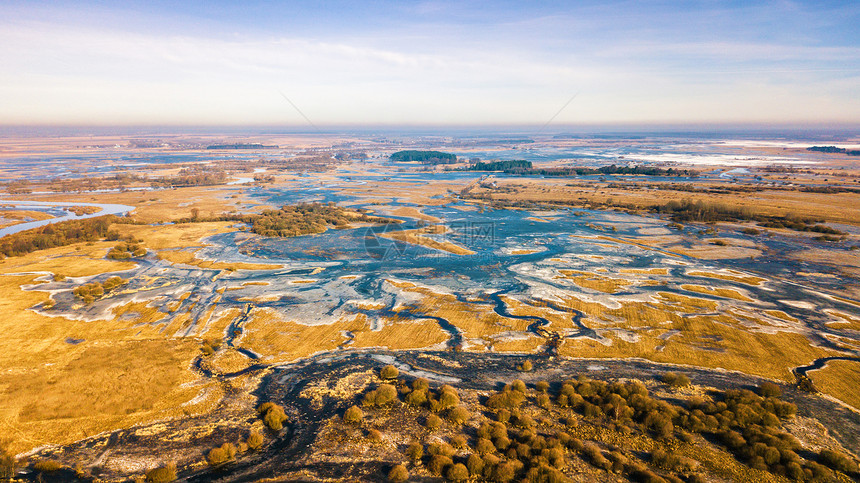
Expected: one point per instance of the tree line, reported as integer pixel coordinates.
(58, 234)
(426, 157)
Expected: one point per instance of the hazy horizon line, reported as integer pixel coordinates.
(531, 129)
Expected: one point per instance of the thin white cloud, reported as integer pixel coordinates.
(65, 74)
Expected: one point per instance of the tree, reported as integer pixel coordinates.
(164, 474)
(415, 451)
(389, 372)
(448, 400)
(255, 440)
(398, 473)
(503, 472)
(433, 422)
(676, 380)
(484, 446)
(48, 466)
(457, 472)
(458, 415)
(353, 415)
(475, 464)
(8, 465)
(273, 415)
(438, 464)
(221, 455)
(838, 461)
(769, 389)
(420, 384)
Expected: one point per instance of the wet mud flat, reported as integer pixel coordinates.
(290, 455)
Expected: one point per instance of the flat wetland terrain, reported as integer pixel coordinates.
(143, 348)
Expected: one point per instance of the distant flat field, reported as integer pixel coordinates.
(835, 208)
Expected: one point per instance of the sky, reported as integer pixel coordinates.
(340, 63)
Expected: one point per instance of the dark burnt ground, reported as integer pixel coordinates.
(289, 454)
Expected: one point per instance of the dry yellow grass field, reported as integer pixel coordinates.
(185, 235)
(843, 320)
(719, 292)
(14, 217)
(729, 275)
(276, 339)
(169, 204)
(190, 258)
(402, 334)
(475, 320)
(410, 212)
(80, 260)
(844, 208)
(839, 379)
(595, 281)
(645, 271)
(723, 340)
(114, 375)
(416, 237)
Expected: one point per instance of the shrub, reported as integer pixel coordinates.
(275, 417)
(506, 399)
(501, 442)
(659, 424)
(458, 415)
(676, 380)
(216, 456)
(475, 464)
(459, 441)
(837, 461)
(543, 400)
(420, 384)
(526, 366)
(518, 385)
(415, 451)
(448, 399)
(255, 440)
(503, 472)
(443, 449)
(542, 386)
(164, 474)
(503, 415)
(674, 462)
(389, 372)
(398, 473)
(769, 389)
(484, 446)
(439, 463)
(374, 435)
(8, 465)
(417, 398)
(353, 415)
(48, 466)
(384, 394)
(457, 472)
(525, 422)
(433, 422)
